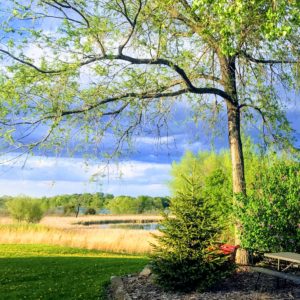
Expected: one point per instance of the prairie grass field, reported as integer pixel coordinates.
(65, 231)
(55, 272)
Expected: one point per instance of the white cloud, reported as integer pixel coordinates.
(42, 176)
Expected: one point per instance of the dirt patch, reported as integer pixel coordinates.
(241, 286)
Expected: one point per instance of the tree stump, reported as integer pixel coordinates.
(242, 257)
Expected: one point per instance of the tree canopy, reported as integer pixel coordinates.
(114, 66)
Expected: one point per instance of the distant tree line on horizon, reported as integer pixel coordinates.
(92, 203)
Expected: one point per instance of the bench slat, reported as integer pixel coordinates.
(287, 256)
(291, 277)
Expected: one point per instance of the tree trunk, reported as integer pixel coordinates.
(236, 151)
(238, 174)
(235, 143)
(77, 211)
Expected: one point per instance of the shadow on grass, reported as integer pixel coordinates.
(62, 277)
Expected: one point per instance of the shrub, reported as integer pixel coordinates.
(25, 209)
(184, 258)
(90, 211)
(123, 205)
(270, 215)
(69, 209)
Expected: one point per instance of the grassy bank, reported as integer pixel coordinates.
(112, 240)
(51, 272)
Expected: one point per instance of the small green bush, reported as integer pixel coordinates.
(25, 209)
(124, 205)
(270, 216)
(69, 209)
(185, 257)
(90, 211)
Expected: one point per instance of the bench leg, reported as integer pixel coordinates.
(257, 279)
(283, 283)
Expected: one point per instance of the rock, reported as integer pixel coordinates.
(118, 291)
(146, 272)
(116, 281)
(152, 278)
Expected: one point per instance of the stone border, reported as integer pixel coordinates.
(117, 288)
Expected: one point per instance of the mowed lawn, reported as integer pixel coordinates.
(53, 272)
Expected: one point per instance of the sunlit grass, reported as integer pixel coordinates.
(52, 272)
(113, 240)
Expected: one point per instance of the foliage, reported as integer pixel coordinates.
(123, 204)
(139, 205)
(3, 208)
(69, 209)
(138, 52)
(51, 272)
(185, 257)
(267, 225)
(213, 173)
(70, 203)
(90, 211)
(117, 205)
(270, 215)
(25, 209)
(94, 202)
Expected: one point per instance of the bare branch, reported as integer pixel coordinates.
(30, 64)
(150, 95)
(268, 61)
(165, 62)
(255, 108)
(60, 6)
(132, 23)
(116, 112)
(78, 12)
(43, 16)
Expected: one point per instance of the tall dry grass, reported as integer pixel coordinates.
(61, 231)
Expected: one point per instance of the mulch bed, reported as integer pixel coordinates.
(241, 286)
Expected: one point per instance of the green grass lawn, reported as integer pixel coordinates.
(52, 272)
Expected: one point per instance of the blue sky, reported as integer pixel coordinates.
(145, 171)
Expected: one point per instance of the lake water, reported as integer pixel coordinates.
(132, 226)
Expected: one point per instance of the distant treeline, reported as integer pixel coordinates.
(95, 203)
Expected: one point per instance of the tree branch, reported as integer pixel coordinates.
(132, 23)
(30, 64)
(268, 61)
(43, 16)
(60, 5)
(149, 95)
(255, 108)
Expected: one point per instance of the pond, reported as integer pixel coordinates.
(131, 226)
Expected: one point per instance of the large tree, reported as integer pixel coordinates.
(105, 67)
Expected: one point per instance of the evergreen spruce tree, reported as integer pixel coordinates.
(185, 257)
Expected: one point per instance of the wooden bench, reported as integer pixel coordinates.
(278, 274)
(289, 257)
